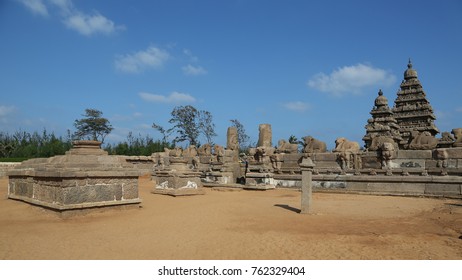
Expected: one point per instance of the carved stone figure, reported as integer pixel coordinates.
(286, 147)
(346, 151)
(378, 141)
(176, 152)
(312, 145)
(219, 152)
(344, 145)
(441, 155)
(387, 153)
(205, 150)
(276, 161)
(422, 141)
(458, 135)
(191, 152)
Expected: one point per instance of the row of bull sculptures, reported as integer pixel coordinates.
(346, 151)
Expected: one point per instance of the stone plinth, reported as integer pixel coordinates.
(178, 180)
(259, 181)
(85, 177)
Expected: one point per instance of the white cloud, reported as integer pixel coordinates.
(191, 57)
(351, 79)
(297, 106)
(134, 63)
(91, 24)
(193, 70)
(174, 97)
(35, 6)
(85, 24)
(6, 110)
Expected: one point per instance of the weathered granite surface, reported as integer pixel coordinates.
(84, 177)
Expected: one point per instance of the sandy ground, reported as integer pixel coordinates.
(238, 225)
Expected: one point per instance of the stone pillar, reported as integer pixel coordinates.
(306, 167)
(232, 142)
(265, 136)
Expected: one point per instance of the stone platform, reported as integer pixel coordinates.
(86, 177)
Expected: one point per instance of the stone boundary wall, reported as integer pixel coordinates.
(445, 186)
(7, 166)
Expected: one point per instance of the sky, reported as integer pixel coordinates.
(305, 67)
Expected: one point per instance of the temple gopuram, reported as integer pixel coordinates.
(412, 109)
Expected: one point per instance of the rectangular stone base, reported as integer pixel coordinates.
(259, 187)
(179, 192)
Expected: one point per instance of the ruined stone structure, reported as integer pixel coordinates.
(178, 178)
(85, 177)
(265, 136)
(412, 109)
(382, 127)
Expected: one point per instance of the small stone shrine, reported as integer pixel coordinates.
(382, 127)
(85, 177)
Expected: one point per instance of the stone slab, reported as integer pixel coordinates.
(179, 192)
(414, 154)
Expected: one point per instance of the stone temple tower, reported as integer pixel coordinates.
(412, 109)
(382, 124)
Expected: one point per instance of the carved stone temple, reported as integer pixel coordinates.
(404, 154)
(412, 109)
(382, 126)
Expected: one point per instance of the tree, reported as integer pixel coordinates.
(293, 140)
(206, 125)
(185, 124)
(93, 126)
(242, 137)
(188, 124)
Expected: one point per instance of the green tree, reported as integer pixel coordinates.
(93, 126)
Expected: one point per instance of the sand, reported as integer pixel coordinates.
(224, 224)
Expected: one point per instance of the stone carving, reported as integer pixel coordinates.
(219, 152)
(346, 152)
(176, 152)
(387, 153)
(192, 153)
(265, 136)
(412, 109)
(205, 150)
(422, 141)
(312, 145)
(286, 147)
(441, 156)
(159, 158)
(379, 140)
(276, 162)
(344, 145)
(458, 137)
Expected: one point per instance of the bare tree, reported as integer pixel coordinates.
(243, 138)
(206, 125)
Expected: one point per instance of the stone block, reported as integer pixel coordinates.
(454, 153)
(324, 157)
(443, 189)
(414, 154)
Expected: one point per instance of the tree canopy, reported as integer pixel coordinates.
(188, 124)
(93, 126)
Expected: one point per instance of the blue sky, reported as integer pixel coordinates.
(305, 67)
